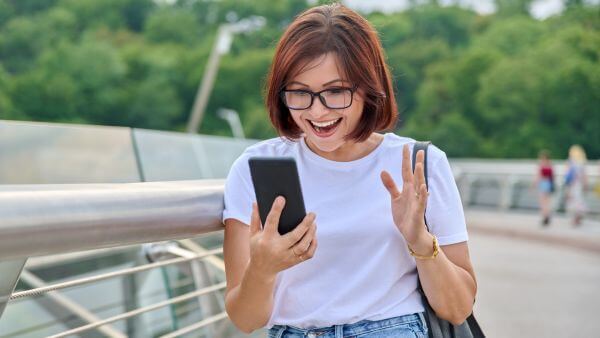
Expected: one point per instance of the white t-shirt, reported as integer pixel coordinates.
(362, 268)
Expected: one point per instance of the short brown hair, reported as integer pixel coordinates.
(333, 28)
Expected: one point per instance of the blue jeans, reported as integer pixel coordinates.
(412, 326)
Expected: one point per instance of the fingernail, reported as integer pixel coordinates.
(280, 200)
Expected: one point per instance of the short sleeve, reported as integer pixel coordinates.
(445, 215)
(239, 192)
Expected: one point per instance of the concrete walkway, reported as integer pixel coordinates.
(534, 281)
(527, 226)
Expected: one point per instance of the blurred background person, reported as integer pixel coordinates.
(576, 184)
(545, 186)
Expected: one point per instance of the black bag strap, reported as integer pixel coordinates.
(420, 145)
(423, 145)
(472, 322)
(475, 328)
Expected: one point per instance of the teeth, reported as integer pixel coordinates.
(324, 124)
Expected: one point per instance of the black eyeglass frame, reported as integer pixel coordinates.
(317, 94)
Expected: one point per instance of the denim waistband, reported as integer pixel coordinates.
(357, 328)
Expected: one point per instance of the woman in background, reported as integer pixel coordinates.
(576, 184)
(545, 185)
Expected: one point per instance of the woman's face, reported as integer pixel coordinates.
(325, 128)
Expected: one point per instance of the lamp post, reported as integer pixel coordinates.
(221, 47)
(233, 118)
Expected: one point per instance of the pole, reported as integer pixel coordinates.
(220, 47)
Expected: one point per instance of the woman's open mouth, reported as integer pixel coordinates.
(326, 128)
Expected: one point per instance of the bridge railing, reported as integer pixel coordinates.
(56, 201)
(509, 184)
(115, 287)
(47, 220)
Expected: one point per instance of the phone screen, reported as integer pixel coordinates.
(278, 176)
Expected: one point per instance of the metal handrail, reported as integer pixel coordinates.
(190, 295)
(57, 219)
(524, 167)
(64, 301)
(37, 220)
(96, 278)
(203, 254)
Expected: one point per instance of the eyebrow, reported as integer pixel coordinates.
(325, 84)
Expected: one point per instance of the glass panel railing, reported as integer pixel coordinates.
(56, 154)
(33, 153)
(222, 152)
(168, 156)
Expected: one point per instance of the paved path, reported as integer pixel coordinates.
(535, 282)
(527, 226)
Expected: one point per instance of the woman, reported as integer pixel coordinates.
(576, 184)
(329, 94)
(545, 185)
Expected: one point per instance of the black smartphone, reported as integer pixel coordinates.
(278, 176)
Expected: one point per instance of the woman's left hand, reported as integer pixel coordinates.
(408, 206)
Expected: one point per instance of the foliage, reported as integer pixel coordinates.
(501, 85)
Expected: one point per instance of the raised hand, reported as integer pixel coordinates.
(408, 206)
(271, 252)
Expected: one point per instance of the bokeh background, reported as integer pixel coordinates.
(507, 82)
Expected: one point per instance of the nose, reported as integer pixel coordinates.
(317, 110)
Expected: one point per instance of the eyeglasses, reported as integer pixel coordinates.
(332, 98)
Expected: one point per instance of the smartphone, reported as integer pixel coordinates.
(278, 176)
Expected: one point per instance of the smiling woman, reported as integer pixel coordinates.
(342, 51)
(326, 122)
(329, 95)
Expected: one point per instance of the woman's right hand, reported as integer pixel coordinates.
(271, 252)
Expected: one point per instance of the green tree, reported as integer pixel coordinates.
(41, 96)
(136, 12)
(94, 14)
(277, 13)
(6, 12)
(512, 7)
(408, 62)
(20, 43)
(152, 95)
(151, 103)
(574, 3)
(464, 81)
(572, 87)
(172, 25)
(457, 135)
(511, 35)
(27, 7)
(452, 24)
(24, 38)
(548, 95)
(393, 28)
(6, 107)
(73, 82)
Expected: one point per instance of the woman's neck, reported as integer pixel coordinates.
(350, 151)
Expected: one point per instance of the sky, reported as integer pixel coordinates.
(540, 9)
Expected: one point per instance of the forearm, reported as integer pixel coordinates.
(449, 288)
(249, 305)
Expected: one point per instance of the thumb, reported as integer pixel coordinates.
(254, 220)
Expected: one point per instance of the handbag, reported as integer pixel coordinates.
(438, 327)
